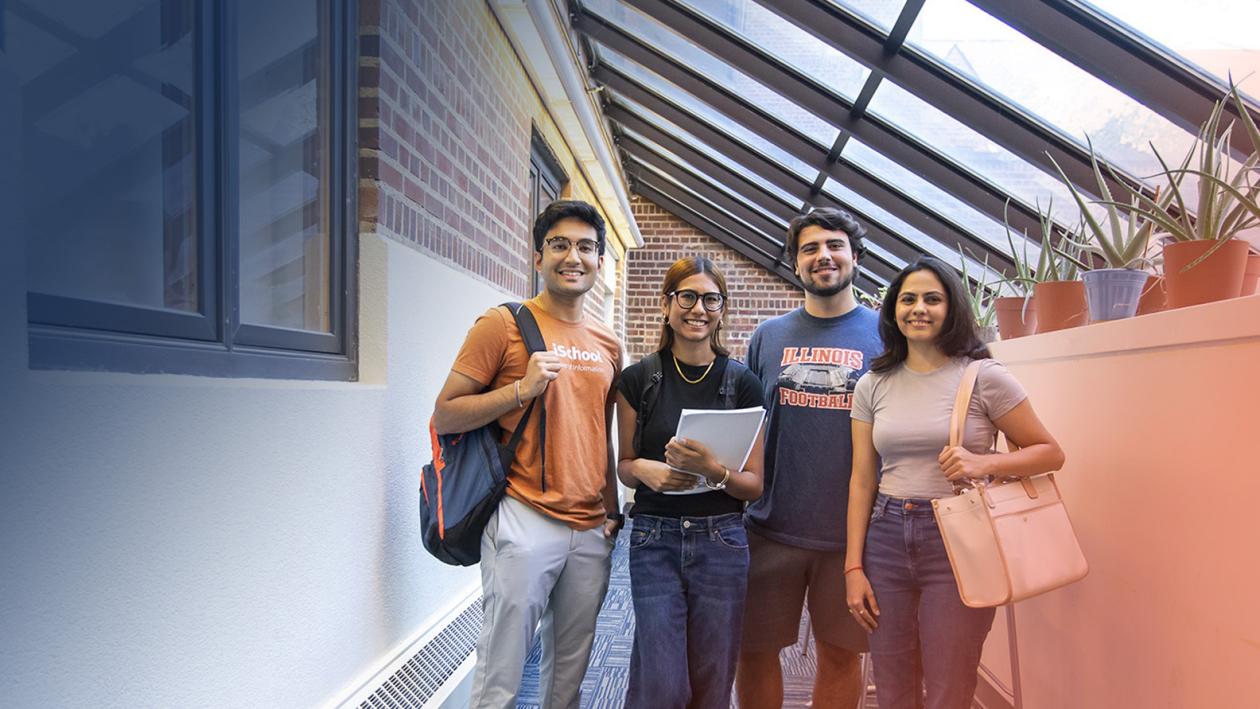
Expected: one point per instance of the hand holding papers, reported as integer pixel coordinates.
(729, 435)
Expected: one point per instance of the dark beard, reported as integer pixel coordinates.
(831, 290)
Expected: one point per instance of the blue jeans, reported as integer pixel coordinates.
(926, 636)
(688, 577)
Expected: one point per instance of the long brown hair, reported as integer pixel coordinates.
(960, 335)
(683, 269)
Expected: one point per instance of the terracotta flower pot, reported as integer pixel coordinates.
(1218, 277)
(1251, 276)
(1014, 320)
(1153, 299)
(1060, 305)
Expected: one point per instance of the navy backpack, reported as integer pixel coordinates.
(461, 488)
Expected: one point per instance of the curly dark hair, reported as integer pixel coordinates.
(830, 219)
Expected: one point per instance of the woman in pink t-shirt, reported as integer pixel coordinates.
(898, 579)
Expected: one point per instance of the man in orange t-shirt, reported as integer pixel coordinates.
(545, 552)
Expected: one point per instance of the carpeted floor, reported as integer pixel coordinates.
(605, 684)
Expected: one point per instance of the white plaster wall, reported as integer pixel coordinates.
(186, 541)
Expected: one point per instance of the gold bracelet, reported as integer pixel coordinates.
(720, 485)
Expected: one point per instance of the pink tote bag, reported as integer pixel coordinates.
(1008, 540)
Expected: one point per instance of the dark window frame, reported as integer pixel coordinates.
(82, 334)
(546, 179)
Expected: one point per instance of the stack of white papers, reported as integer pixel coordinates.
(729, 434)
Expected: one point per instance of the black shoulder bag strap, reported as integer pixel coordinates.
(652, 376)
(533, 343)
(730, 383)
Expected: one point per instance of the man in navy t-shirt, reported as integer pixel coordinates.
(809, 361)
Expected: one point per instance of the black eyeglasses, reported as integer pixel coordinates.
(687, 300)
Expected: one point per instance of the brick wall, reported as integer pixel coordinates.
(756, 293)
(445, 110)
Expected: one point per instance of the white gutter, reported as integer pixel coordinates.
(537, 31)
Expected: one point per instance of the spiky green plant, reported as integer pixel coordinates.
(1054, 263)
(1122, 239)
(983, 294)
(1226, 202)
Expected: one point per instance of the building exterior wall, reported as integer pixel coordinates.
(174, 540)
(756, 294)
(446, 110)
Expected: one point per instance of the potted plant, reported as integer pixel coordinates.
(1120, 241)
(983, 298)
(1016, 313)
(1058, 298)
(1203, 261)
(1059, 295)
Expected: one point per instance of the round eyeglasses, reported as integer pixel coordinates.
(687, 300)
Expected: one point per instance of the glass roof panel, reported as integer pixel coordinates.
(925, 193)
(700, 146)
(973, 151)
(770, 32)
(713, 68)
(1218, 36)
(715, 118)
(881, 13)
(727, 188)
(666, 180)
(993, 54)
(890, 221)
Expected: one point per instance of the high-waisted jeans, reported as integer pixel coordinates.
(926, 636)
(688, 578)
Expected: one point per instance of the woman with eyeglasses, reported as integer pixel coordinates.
(688, 549)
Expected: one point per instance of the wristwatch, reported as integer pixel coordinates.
(617, 517)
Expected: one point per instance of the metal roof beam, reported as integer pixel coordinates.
(1009, 126)
(732, 233)
(774, 174)
(869, 186)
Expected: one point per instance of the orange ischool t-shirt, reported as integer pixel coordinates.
(494, 354)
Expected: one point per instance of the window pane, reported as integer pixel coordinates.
(662, 179)
(727, 189)
(284, 180)
(1219, 36)
(926, 194)
(705, 112)
(770, 32)
(973, 151)
(716, 70)
(881, 13)
(893, 223)
(109, 156)
(702, 147)
(988, 51)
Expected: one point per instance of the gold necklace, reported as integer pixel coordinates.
(684, 376)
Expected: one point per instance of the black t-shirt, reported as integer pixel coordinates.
(674, 396)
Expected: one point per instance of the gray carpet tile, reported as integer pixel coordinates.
(604, 686)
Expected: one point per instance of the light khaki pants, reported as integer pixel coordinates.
(535, 569)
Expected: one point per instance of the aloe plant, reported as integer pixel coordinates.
(1060, 263)
(874, 302)
(1226, 199)
(983, 295)
(1122, 239)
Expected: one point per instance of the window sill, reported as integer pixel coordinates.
(55, 348)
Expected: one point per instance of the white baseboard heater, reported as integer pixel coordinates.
(429, 668)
